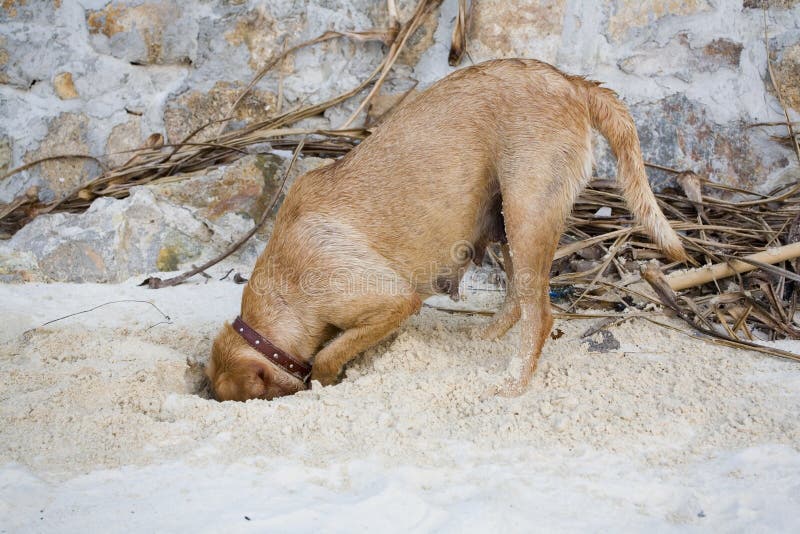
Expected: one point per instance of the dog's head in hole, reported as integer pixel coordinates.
(237, 371)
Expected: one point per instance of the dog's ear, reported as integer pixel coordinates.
(261, 371)
(264, 381)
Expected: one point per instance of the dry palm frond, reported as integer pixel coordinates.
(458, 42)
(599, 258)
(760, 302)
(157, 283)
(404, 33)
(155, 161)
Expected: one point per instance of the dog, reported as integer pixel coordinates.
(494, 152)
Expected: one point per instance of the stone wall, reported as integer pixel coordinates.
(98, 77)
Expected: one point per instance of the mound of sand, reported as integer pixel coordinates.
(102, 391)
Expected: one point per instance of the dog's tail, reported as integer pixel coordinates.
(611, 117)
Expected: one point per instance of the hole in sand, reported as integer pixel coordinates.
(196, 381)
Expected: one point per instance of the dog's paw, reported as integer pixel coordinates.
(508, 389)
(512, 390)
(489, 332)
(497, 327)
(324, 377)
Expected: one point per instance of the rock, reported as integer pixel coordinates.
(193, 109)
(100, 77)
(5, 155)
(602, 341)
(123, 138)
(421, 40)
(787, 72)
(67, 134)
(64, 86)
(146, 34)
(236, 188)
(4, 78)
(680, 59)
(18, 266)
(529, 28)
(160, 227)
(630, 16)
(722, 52)
(112, 241)
(260, 33)
(245, 188)
(31, 43)
(222, 204)
(770, 4)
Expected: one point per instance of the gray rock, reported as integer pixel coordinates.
(97, 76)
(159, 227)
(112, 241)
(147, 33)
(602, 341)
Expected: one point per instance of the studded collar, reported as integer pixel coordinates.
(294, 366)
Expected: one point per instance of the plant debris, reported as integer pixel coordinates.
(600, 257)
(155, 160)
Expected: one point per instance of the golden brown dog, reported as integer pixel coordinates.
(358, 244)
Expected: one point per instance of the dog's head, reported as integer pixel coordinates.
(238, 372)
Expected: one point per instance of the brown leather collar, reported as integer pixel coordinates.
(295, 367)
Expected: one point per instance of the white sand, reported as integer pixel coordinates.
(101, 427)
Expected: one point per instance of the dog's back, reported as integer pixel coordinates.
(427, 177)
(504, 145)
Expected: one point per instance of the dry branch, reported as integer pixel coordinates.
(458, 42)
(658, 282)
(598, 259)
(154, 162)
(157, 283)
(683, 280)
(406, 31)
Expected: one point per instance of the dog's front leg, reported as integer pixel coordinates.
(371, 328)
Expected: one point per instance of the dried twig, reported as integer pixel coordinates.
(406, 31)
(687, 279)
(659, 284)
(157, 283)
(727, 342)
(39, 161)
(458, 41)
(164, 315)
(779, 91)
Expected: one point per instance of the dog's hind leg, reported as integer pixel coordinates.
(509, 313)
(537, 198)
(533, 242)
(383, 318)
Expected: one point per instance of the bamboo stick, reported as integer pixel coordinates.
(696, 277)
